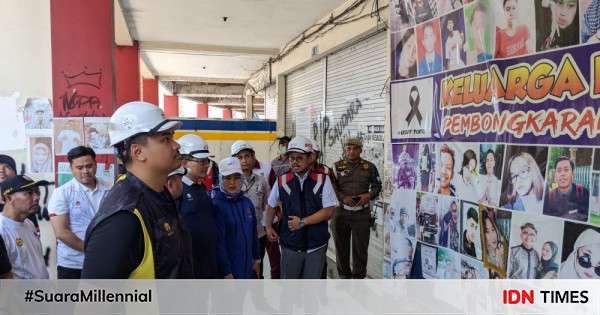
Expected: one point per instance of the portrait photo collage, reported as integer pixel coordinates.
(476, 195)
(489, 210)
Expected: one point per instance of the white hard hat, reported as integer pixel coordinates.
(240, 145)
(194, 146)
(230, 165)
(315, 146)
(180, 171)
(300, 144)
(135, 118)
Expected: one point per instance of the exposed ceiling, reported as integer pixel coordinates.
(189, 38)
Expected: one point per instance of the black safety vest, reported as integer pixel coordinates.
(167, 245)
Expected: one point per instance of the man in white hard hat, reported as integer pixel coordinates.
(308, 202)
(261, 168)
(196, 208)
(256, 188)
(175, 184)
(320, 168)
(137, 232)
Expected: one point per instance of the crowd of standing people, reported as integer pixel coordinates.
(176, 213)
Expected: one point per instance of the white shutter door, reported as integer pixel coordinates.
(304, 99)
(355, 106)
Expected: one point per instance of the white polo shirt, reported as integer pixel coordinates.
(328, 197)
(81, 204)
(24, 248)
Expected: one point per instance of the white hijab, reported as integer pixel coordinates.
(567, 269)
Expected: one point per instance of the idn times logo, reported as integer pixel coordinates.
(514, 296)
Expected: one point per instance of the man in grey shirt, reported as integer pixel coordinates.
(524, 258)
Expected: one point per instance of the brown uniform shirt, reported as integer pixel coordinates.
(355, 178)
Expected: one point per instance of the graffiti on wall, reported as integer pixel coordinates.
(80, 97)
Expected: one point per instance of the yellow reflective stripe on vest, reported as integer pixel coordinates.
(145, 270)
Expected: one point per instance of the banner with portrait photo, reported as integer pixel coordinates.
(495, 132)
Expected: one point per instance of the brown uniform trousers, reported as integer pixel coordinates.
(352, 227)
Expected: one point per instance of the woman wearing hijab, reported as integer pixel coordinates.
(584, 260)
(237, 240)
(564, 29)
(548, 268)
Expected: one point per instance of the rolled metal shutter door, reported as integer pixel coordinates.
(304, 98)
(355, 105)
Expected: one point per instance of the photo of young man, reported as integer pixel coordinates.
(567, 195)
(429, 47)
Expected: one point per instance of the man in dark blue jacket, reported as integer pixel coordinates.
(196, 207)
(238, 251)
(308, 201)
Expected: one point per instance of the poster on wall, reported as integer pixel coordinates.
(495, 135)
(11, 119)
(68, 133)
(40, 155)
(38, 113)
(96, 134)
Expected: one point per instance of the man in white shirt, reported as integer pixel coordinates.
(72, 207)
(308, 202)
(259, 168)
(21, 198)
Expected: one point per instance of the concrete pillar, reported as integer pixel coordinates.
(227, 113)
(249, 106)
(82, 39)
(202, 110)
(150, 91)
(171, 106)
(127, 68)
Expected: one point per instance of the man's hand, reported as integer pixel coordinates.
(271, 234)
(294, 223)
(256, 268)
(229, 276)
(364, 199)
(348, 201)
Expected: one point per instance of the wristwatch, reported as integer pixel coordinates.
(302, 223)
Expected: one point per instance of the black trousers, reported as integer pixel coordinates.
(68, 273)
(351, 228)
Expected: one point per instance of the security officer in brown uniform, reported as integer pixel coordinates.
(357, 184)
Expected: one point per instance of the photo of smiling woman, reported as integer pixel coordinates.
(467, 177)
(562, 27)
(523, 180)
(491, 156)
(495, 229)
(404, 60)
(453, 39)
(581, 252)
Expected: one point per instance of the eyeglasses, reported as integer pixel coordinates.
(199, 161)
(297, 158)
(585, 261)
(522, 174)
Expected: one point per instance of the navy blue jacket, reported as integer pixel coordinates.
(302, 202)
(237, 239)
(198, 216)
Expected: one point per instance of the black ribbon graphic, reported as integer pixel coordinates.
(414, 106)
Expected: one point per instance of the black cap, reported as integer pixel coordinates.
(5, 159)
(19, 183)
(284, 139)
